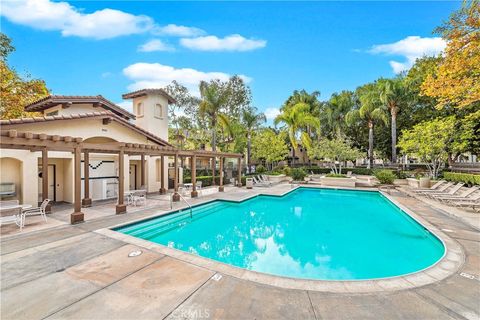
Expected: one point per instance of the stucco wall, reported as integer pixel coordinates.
(148, 121)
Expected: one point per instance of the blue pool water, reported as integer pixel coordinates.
(309, 233)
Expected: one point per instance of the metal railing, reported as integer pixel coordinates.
(181, 197)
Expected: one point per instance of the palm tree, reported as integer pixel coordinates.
(211, 105)
(392, 95)
(371, 111)
(333, 114)
(251, 121)
(297, 119)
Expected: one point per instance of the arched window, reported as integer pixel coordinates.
(158, 111)
(139, 110)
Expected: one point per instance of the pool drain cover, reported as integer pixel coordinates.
(135, 253)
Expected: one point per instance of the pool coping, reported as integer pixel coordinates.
(450, 263)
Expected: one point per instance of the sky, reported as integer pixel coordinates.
(113, 47)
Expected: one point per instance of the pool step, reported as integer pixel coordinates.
(175, 220)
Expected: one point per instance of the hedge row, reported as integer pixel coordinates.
(317, 170)
(207, 180)
(467, 178)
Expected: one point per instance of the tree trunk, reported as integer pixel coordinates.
(394, 134)
(214, 135)
(370, 145)
(293, 156)
(249, 148)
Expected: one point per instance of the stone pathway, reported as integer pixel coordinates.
(71, 272)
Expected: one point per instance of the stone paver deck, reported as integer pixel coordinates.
(73, 272)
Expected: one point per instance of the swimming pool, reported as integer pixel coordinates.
(321, 234)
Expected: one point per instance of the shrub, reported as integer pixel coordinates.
(274, 173)
(260, 169)
(207, 180)
(287, 170)
(467, 178)
(336, 175)
(385, 176)
(317, 170)
(298, 174)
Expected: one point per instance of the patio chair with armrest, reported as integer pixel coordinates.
(41, 211)
(139, 196)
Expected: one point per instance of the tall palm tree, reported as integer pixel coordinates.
(251, 121)
(211, 105)
(371, 111)
(297, 119)
(334, 111)
(393, 93)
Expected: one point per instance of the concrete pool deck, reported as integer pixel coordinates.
(77, 272)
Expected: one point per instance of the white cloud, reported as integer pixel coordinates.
(178, 31)
(271, 113)
(155, 45)
(127, 105)
(411, 48)
(234, 42)
(156, 75)
(70, 21)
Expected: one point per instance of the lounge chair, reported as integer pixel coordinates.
(433, 188)
(439, 189)
(473, 198)
(462, 196)
(41, 211)
(466, 204)
(451, 192)
(349, 174)
(258, 183)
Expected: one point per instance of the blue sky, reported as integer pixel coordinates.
(109, 48)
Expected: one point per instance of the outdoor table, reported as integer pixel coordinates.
(18, 206)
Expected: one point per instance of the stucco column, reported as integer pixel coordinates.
(121, 207)
(86, 201)
(162, 175)
(176, 196)
(239, 169)
(77, 216)
(193, 168)
(45, 178)
(220, 187)
(142, 170)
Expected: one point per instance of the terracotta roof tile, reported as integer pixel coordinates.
(98, 114)
(143, 92)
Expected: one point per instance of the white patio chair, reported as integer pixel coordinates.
(463, 196)
(37, 211)
(451, 192)
(139, 196)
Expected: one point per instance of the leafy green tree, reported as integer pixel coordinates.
(269, 146)
(296, 119)
(393, 95)
(371, 112)
(336, 151)
(429, 142)
(251, 121)
(16, 92)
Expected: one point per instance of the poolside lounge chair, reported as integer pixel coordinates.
(41, 211)
(349, 174)
(451, 192)
(466, 204)
(258, 183)
(433, 188)
(473, 198)
(462, 196)
(438, 190)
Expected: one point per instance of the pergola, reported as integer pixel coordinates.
(12, 139)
